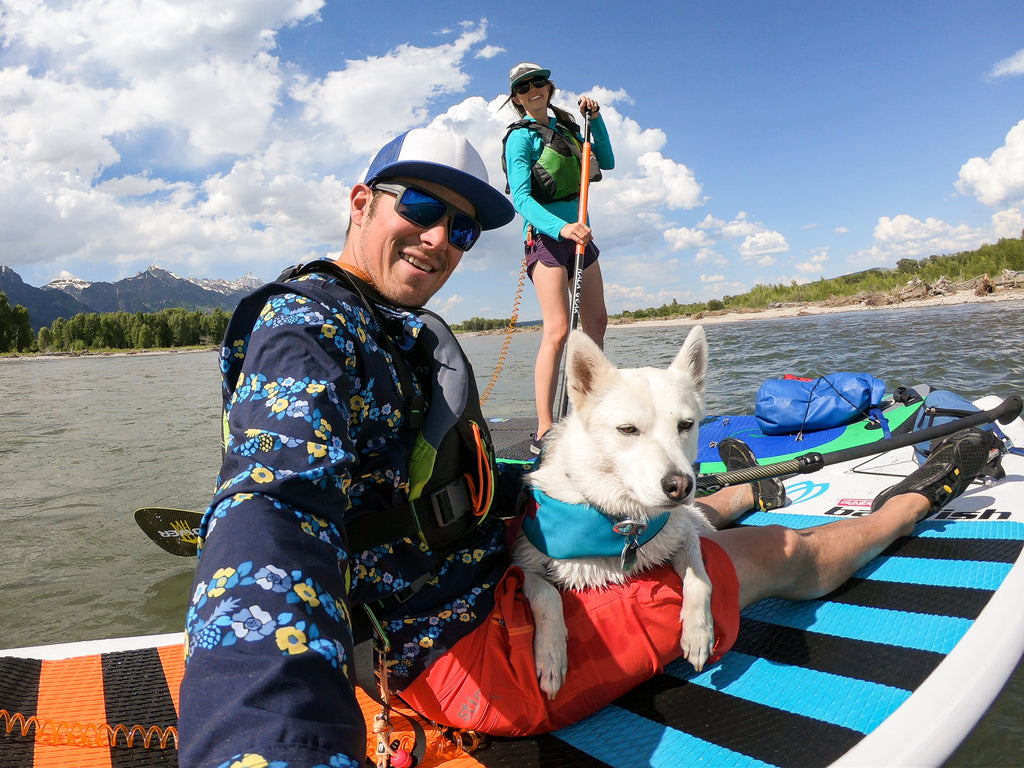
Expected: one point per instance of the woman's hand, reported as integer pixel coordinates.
(577, 231)
(588, 104)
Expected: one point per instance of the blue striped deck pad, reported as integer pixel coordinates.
(1006, 530)
(922, 631)
(648, 744)
(969, 574)
(842, 701)
(837, 700)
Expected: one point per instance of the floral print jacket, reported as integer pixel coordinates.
(315, 435)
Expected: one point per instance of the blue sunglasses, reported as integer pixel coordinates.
(425, 210)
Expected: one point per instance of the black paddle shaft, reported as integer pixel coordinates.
(1004, 413)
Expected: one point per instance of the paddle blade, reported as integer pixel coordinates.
(175, 530)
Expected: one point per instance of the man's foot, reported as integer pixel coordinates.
(537, 445)
(769, 493)
(953, 464)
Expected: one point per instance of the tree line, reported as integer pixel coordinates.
(182, 328)
(481, 324)
(989, 259)
(177, 327)
(15, 329)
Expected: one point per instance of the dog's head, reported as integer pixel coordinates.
(629, 442)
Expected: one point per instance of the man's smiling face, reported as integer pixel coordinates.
(407, 263)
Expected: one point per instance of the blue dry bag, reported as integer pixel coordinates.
(940, 407)
(790, 406)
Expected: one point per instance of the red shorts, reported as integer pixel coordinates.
(618, 638)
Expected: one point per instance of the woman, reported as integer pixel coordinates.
(551, 229)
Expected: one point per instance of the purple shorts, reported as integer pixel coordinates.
(558, 253)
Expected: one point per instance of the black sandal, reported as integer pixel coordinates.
(953, 464)
(769, 493)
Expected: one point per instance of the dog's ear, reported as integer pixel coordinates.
(692, 359)
(587, 368)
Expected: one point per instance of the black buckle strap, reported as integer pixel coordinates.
(451, 502)
(433, 513)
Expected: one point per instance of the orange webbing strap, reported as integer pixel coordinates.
(482, 491)
(71, 696)
(172, 657)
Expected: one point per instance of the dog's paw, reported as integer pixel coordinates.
(698, 638)
(551, 658)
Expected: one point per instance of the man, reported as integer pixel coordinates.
(358, 476)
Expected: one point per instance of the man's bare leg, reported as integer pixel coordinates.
(773, 561)
(722, 508)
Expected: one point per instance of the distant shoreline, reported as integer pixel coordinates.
(850, 304)
(15, 357)
(800, 309)
(794, 309)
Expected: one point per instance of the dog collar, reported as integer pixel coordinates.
(561, 530)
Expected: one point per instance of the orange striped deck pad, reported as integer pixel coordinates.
(119, 709)
(101, 711)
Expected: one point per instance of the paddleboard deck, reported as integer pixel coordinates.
(894, 668)
(512, 437)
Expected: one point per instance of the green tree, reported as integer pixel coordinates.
(15, 327)
(6, 316)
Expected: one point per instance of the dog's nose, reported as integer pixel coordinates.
(676, 487)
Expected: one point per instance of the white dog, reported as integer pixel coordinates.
(619, 468)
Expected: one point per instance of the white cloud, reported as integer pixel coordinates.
(445, 307)
(1008, 223)
(762, 244)
(1000, 178)
(680, 238)
(376, 98)
(490, 51)
(815, 264)
(904, 236)
(710, 256)
(740, 227)
(630, 294)
(177, 132)
(758, 239)
(1010, 66)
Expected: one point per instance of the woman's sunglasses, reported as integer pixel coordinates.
(425, 210)
(526, 85)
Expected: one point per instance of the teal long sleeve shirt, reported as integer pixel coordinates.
(522, 150)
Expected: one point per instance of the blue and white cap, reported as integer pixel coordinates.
(448, 159)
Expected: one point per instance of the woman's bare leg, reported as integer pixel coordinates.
(593, 313)
(552, 285)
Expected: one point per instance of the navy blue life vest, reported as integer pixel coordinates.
(452, 470)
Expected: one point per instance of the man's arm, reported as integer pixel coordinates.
(270, 641)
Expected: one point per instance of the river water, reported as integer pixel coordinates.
(86, 441)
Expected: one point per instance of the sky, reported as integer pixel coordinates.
(755, 142)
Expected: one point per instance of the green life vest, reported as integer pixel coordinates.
(557, 172)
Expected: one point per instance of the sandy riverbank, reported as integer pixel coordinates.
(852, 304)
(800, 309)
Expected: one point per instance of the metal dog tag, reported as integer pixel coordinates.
(628, 558)
(631, 530)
